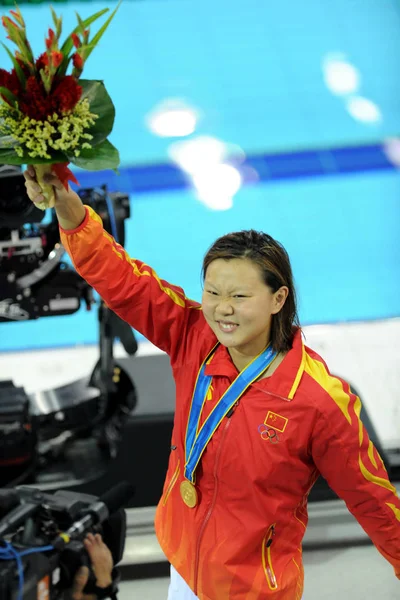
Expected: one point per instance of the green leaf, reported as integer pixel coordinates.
(103, 156)
(18, 70)
(100, 104)
(54, 15)
(26, 51)
(94, 41)
(8, 141)
(80, 23)
(9, 157)
(67, 46)
(57, 22)
(9, 96)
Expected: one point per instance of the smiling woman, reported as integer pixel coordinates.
(239, 307)
(233, 512)
(249, 295)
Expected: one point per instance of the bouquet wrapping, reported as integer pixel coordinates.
(49, 115)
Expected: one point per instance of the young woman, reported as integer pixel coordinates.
(258, 414)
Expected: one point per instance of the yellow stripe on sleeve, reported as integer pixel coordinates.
(334, 388)
(175, 297)
(93, 215)
(395, 510)
(299, 373)
(330, 384)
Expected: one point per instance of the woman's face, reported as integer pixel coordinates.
(238, 305)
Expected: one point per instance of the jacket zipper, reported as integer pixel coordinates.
(208, 515)
(172, 483)
(266, 558)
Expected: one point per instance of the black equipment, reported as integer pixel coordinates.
(35, 281)
(37, 431)
(41, 539)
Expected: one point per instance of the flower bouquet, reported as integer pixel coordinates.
(49, 116)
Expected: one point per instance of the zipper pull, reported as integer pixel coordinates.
(270, 540)
(232, 410)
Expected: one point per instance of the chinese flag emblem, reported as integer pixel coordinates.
(276, 421)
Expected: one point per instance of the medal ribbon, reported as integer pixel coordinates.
(196, 440)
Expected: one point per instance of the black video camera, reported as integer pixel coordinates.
(41, 539)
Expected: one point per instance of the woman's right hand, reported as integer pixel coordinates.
(69, 208)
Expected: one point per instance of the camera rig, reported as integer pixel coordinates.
(35, 281)
(41, 540)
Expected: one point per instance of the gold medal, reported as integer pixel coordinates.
(188, 493)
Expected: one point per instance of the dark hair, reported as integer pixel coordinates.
(274, 263)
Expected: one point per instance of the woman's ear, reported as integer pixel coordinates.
(280, 299)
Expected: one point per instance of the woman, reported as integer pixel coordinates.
(258, 415)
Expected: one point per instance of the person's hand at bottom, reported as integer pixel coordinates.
(102, 565)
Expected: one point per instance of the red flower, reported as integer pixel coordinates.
(66, 94)
(50, 39)
(77, 61)
(10, 81)
(23, 64)
(56, 58)
(18, 17)
(35, 103)
(38, 105)
(42, 61)
(4, 77)
(75, 40)
(7, 22)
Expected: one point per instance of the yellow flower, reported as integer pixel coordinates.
(66, 133)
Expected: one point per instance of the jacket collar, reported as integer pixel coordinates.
(283, 382)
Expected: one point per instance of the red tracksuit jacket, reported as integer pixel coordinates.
(243, 539)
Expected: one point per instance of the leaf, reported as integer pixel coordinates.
(9, 157)
(100, 104)
(54, 15)
(18, 70)
(103, 156)
(94, 41)
(9, 96)
(18, 35)
(67, 46)
(26, 51)
(80, 23)
(57, 22)
(8, 141)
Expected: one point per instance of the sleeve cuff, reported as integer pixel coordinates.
(79, 228)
